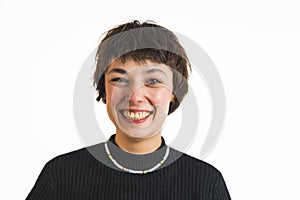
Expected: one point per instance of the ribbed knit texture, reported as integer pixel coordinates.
(79, 175)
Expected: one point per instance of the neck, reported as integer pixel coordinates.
(138, 145)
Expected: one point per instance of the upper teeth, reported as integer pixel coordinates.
(135, 115)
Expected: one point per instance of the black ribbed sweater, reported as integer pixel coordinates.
(80, 175)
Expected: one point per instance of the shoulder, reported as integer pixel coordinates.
(208, 176)
(73, 158)
(196, 161)
(198, 167)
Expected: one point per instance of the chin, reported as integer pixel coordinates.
(138, 134)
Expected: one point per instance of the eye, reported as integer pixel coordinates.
(153, 81)
(119, 81)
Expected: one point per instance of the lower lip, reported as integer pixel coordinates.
(136, 121)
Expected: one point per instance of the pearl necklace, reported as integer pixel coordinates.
(136, 171)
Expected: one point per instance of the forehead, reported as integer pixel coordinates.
(132, 66)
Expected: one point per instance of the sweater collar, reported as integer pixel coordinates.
(136, 161)
(113, 140)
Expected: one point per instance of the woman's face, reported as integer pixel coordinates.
(138, 97)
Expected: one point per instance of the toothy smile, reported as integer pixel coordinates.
(134, 115)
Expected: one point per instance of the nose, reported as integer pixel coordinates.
(137, 95)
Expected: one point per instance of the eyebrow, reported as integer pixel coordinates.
(117, 70)
(149, 71)
(153, 70)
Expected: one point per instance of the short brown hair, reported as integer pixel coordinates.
(159, 45)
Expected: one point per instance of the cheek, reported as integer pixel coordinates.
(113, 95)
(162, 98)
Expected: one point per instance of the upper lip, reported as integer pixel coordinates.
(135, 110)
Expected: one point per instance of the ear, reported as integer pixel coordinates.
(173, 98)
(104, 99)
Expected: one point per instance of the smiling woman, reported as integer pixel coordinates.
(141, 76)
(138, 99)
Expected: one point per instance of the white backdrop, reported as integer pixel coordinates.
(255, 46)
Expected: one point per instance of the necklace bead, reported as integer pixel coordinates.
(136, 171)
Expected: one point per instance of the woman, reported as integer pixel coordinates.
(141, 76)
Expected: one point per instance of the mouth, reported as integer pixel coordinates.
(135, 116)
